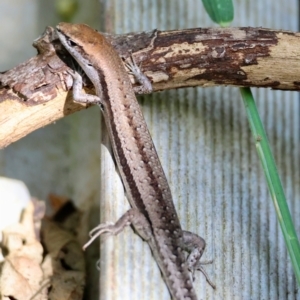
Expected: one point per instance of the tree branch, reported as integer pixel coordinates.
(34, 93)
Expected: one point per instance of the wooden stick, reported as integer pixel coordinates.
(35, 93)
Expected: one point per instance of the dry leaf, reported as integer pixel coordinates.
(21, 272)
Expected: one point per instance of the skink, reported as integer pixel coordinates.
(153, 213)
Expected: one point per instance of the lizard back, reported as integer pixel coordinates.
(140, 168)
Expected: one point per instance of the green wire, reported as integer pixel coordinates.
(275, 187)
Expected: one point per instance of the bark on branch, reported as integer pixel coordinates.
(35, 93)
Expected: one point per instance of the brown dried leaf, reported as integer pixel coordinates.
(21, 273)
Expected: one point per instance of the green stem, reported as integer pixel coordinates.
(275, 187)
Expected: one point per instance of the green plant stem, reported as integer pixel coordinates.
(274, 183)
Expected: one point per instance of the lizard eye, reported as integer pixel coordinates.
(71, 43)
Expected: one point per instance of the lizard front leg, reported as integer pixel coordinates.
(78, 95)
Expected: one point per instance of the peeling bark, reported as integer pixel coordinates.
(34, 93)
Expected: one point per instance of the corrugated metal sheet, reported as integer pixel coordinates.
(203, 139)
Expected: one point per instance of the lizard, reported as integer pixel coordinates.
(152, 214)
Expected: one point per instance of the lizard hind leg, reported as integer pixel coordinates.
(195, 246)
(131, 217)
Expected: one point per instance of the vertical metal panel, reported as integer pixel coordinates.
(203, 139)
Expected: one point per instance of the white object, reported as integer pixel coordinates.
(14, 197)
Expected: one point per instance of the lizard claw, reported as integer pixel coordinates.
(199, 267)
(97, 231)
(134, 69)
(71, 72)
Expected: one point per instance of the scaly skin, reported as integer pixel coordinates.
(153, 213)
